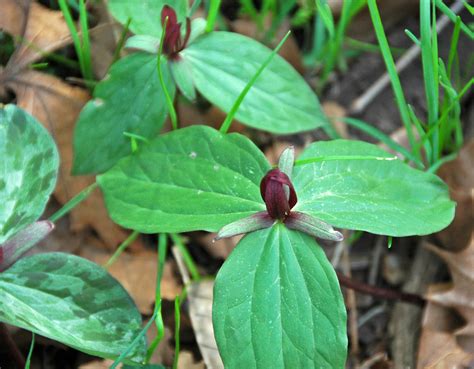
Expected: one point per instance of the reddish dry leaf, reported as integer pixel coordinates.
(459, 175)
(46, 31)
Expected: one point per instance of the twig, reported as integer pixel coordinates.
(383, 293)
(6, 340)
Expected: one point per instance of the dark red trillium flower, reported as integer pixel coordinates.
(173, 42)
(280, 197)
(278, 193)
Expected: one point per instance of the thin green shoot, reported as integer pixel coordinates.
(452, 16)
(212, 14)
(121, 41)
(389, 242)
(134, 138)
(429, 58)
(412, 37)
(228, 120)
(319, 159)
(160, 328)
(135, 342)
(434, 168)
(132, 237)
(39, 65)
(86, 44)
(358, 45)
(71, 204)
(453, 46)
(188, 260)
(392, 71)
(382, 137)
(470, 8)
(30, 352)
(177, 317)
(169, 101)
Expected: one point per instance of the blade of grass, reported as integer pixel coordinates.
(30, 352)
(230, 116)
(132, 237)
(188, 260)
(412, 37)
(212, 14)
(121, 41)
(169, 101)
(452, 16)
(382, 137)
(162, 250)
(391, 70)
(74, 34)
(177, 319)
(453, 46)
(71, 204)
(86, 45)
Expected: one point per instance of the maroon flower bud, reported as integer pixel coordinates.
(173, 42)
(278, 193)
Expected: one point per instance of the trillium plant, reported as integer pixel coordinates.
(277, 301)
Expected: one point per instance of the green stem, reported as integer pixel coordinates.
(162, 250)
(177, 318)
(30, 352)
(132, 237)
(121, 41)
(212, 15)
(71, 204)
(169, 101)
(228, 120)
(188, 260)
(319, 159)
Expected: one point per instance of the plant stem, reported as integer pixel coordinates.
(212, 15)
(188, 260)
(71, 204)
(6, 340)
(383, 293)
(133, 236)
(169, 101)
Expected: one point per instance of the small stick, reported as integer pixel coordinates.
(383, 293)
(7, 341)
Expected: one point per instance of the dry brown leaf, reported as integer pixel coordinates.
(461, 296)
(97, 364)
(336, 112)
(137, 273)
(46, 30)
(459, 175)
(290, 49)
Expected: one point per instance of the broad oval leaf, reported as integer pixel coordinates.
(129, 99)
(71, 300)
(195, 178)
(378, 196)
(28, 170)
(277, 304)
(145, 15)
(280, 101)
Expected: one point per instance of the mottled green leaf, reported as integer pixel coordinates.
(145, 14)
(129, 99)
(28, 169)
(195, 178)
(73, 301)
(378, 196)
(277, 304)
(280, 101)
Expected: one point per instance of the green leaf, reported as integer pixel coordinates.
(129, 99)
(277, 304)
(280, 101)
(379, 196)
(182, 76)
(149, 366)
(28, 169)
(145, 14)
(71, 300)
(195, 178)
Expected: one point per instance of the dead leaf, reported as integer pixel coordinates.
(336, 112)
(97, 364)
(459, 175)
(137, 273)
(45, 32)
(290, 49)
